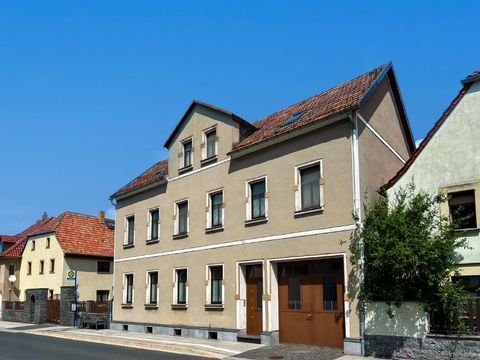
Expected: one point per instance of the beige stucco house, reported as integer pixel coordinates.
(243, 232)
(70, 241)
(448, 161)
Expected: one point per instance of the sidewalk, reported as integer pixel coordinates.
(181, 345)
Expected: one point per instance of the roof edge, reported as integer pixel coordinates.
(375, 84)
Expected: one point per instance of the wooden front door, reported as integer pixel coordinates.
(254, 299)
(53, 311)
(311, 303)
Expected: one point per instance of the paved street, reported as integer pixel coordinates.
(17, 346)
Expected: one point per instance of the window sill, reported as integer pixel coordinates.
(179, 306)
(180, 236)
(467, 230)
(209, 160)
(301, 213)
(256, 221)
(128, 246)
(127, 306)
(152, 241)
(214, 229)
(214, 307)
(185, 169)
(151, 306)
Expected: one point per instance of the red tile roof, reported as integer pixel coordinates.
(433, 131)
(155, 173)
(17, 248)
(80, 234)
(10, 239)
(77, 234)
(340, 99)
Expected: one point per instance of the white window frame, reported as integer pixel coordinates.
(149, 223)
(125, 229)
(298, 185)
(124, 295)
(176, 216)
(175, 286)
(204, 141)
(209, 208)
(147, 290)
(181, 153)
(248, 197)
(208, 284)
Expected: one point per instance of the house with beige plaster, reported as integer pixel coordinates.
(56, 245)
(242, 233)
(448, 161)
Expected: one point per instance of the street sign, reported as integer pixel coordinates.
(72, 275)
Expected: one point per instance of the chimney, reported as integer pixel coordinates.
(101, 217)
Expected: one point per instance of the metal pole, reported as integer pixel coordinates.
(75, 301)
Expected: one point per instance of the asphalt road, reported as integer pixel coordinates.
(19, 346)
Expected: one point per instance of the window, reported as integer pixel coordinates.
(216, 285)
(128, 291)
(215, 209)
(309, 187)
(42, 266)
(181, 286)
(294, 293)
(29, 268)
(462, 209)
(181, 218)
(48, 243)
(11, 269)
(103, 266)
(52, 266)
(257, 199)
(210, 139)
(102, 295)
(154, 224)
(33, 245)
(187, 153)
(152, 288)
(129, 230)
(329, 293)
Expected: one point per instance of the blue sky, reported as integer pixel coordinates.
(90, 90)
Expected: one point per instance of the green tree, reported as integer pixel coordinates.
(410, 252)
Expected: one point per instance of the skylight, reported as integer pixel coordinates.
(293, 118)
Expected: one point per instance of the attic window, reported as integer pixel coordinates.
(293, 118)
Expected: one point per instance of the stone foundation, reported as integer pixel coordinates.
(190, 332)
(431, 347)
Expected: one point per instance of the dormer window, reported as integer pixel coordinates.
(187, 153)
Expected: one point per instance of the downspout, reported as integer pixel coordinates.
(357, 210)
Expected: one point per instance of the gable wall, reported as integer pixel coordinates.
(200, 119)
(377, 163)
(452, 157)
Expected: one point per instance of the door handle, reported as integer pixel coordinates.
(309, 317)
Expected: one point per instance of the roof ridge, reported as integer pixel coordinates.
(323, 92)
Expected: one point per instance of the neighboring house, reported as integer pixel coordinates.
(243, 232)
(10, 260)
(448, 161)
(67, 242)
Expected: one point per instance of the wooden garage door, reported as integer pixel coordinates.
(311, 303)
